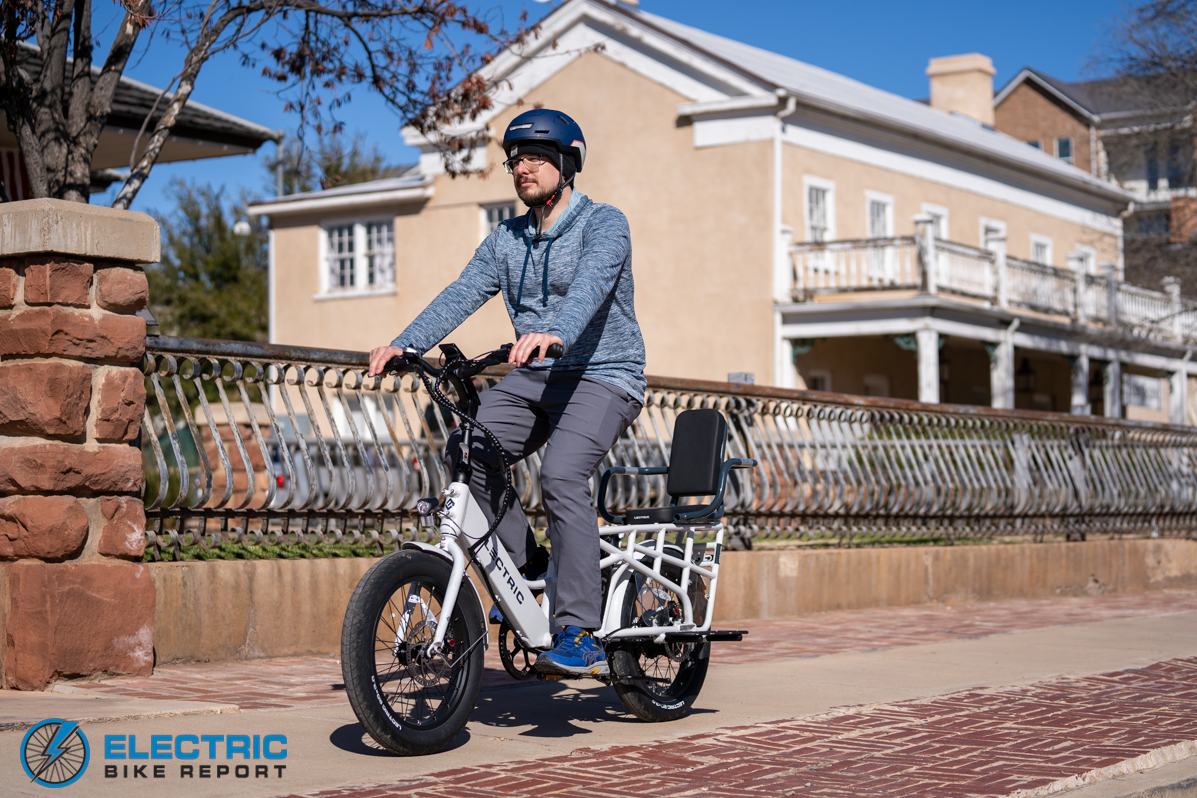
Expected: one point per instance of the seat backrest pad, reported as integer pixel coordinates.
(699, 438)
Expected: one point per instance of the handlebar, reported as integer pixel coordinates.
(457, 364)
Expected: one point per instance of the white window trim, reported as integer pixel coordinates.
(809, 182)
(987, 222)
(1046, 241)
(888, 201)
(1088, 253)
(359, 257)
(944, 214)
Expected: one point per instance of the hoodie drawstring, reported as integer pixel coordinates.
(544, 280)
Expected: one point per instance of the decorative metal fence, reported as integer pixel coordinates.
(283, 445)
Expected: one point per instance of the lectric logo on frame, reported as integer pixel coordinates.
(55, 752)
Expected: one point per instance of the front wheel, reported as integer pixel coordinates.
(412, 700)
(658, 681)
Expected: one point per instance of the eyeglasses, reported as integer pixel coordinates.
(531, 162)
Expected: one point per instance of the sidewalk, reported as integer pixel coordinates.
(1018, 697)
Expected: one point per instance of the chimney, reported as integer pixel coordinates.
(963, 84)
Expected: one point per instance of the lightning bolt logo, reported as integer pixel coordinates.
(55, 752)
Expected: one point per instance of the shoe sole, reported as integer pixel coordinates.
(554, 669)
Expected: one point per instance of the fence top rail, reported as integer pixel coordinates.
(220, 349)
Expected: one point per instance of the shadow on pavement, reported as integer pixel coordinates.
(352, 738)
(552, 709)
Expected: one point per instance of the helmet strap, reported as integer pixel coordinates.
(548, 204)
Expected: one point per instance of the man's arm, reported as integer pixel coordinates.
(606, 244)
(478, 282)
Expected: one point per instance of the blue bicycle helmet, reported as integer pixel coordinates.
(547, 127)
(551, 133)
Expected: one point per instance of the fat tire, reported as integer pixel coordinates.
(652, 701)
(358, 655)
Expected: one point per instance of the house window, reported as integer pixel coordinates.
(493, 215)
(880, 217)
(360, 256)
(380, 254)
(1180, 168)
(816, 208)
(1153, 169)
(1064, 149)
(1041, 250)
(340, 257)
(1036, 144)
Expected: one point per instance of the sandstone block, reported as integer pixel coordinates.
(77, 619)
(121, 405)
(8, 287)
(66, 468)
(46, 527)
(72, 333)
(54, 281)
(47, 399)
(36, 226)
(124, 527)
(122, 290)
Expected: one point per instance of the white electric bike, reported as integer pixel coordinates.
(414, 635)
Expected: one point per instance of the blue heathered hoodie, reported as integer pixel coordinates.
(573, 281)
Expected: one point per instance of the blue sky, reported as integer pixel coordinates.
(879, 42)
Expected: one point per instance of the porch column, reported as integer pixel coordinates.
(1112, 389)
(1001, 374)
(928, 345)
(1178, 395)
(1080, 385)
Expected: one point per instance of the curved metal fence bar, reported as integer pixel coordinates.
(254, 444)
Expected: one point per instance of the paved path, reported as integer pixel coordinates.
(987, 699)
(315, 681)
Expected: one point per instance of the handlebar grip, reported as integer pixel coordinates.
(396, 365)
(554, 351)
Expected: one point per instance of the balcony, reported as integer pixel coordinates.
(990, 278)
(1047, 338)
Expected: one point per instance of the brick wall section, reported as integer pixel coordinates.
(74, 600)
(1029, 114)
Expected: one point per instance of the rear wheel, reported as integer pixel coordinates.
(659, 681)
(410, 699)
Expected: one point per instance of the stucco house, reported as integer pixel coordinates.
(782, 216)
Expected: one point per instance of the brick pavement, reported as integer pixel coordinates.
(314, 681)
(1022, 741)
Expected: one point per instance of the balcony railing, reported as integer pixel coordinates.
(271, 444)
(874, 264)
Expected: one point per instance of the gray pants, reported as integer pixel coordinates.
(577, 420)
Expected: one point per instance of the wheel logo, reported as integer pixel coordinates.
(55, 753)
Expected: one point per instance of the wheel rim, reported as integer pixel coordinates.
(418, 689)
(655, 605)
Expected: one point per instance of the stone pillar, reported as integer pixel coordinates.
(75, 598)
(1112, 389)
(1080, 385)
(928, 354)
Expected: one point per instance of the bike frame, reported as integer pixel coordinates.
(462, 525)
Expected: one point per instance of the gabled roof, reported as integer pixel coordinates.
(726, 76)
(1094, 99)
(842, 95)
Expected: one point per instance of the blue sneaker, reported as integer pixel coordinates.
(575, 652)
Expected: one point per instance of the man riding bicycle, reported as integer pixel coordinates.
(565, 272)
